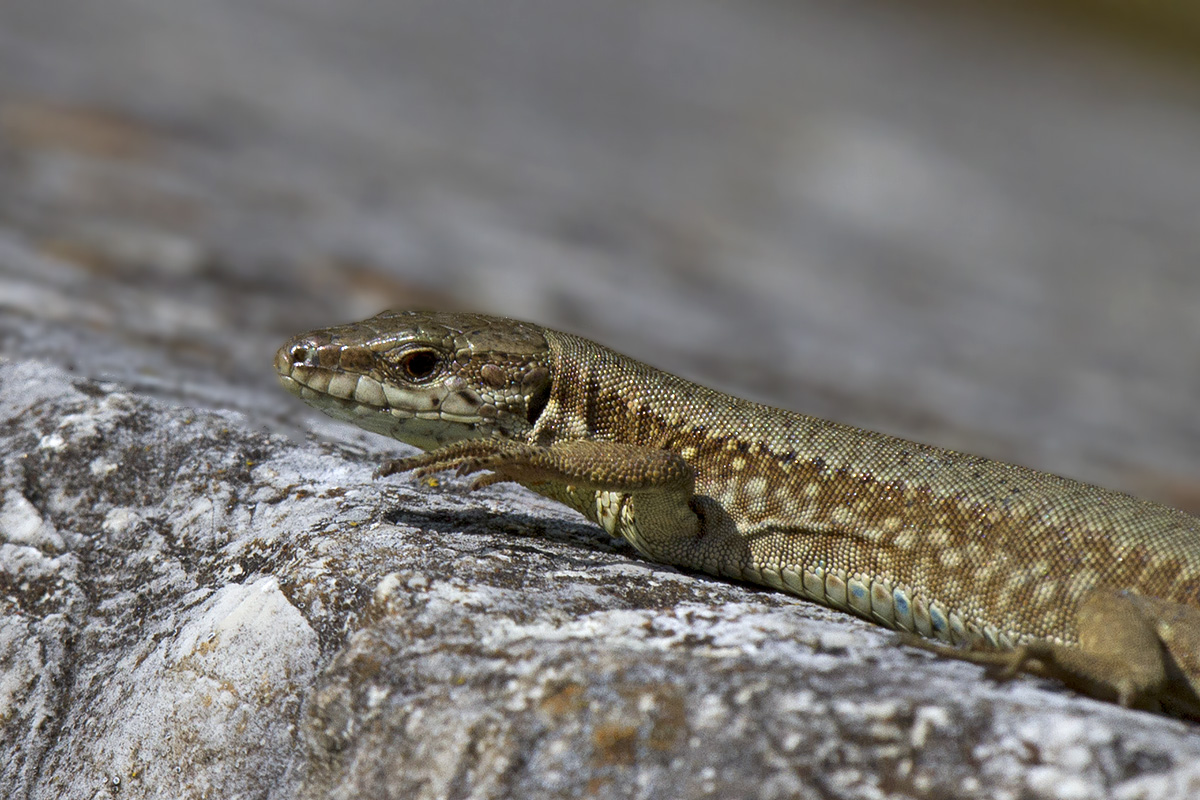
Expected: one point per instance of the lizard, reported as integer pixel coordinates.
(988, 562)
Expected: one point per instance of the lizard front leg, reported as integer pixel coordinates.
(643, 494)
(588, 464)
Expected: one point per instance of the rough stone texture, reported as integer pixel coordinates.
(148, 641)
(194, 609)
(962, 228)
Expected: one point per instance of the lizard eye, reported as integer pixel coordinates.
(419, 365)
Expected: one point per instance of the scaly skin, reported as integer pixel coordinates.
(1035, 572)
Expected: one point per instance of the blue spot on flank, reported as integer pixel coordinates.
(858, 591)
(900, 602)
(936, 619)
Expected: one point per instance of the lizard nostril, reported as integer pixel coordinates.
(300, 353)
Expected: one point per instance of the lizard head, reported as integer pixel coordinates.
(426, 378)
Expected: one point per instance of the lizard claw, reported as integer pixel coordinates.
(393, 466)
(487, 480)
(427, 464)
(422, 466)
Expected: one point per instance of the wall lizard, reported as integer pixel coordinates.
(998, 564)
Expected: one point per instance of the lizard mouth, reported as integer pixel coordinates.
(353, 395)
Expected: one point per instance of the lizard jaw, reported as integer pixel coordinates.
(426, 417)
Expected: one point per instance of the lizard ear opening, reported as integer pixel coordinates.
(539, 396)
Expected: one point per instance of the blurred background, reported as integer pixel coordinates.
(971, 223)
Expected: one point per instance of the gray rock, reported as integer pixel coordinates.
(193, 608)
(148, 642)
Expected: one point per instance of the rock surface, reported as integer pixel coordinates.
(198, 609)
(952, 227)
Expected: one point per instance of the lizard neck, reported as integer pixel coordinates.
(601, 394)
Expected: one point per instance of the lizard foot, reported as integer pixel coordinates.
(1002, 665)
(1120, 655)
